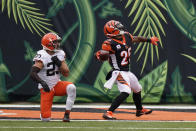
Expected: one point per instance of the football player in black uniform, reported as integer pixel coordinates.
(118, 46)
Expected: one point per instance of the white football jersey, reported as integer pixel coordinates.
(50, 72)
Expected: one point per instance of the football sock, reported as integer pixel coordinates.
(67, 111)
(118, 100)
(137, 100)
(71, 96)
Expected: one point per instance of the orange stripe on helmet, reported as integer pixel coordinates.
(108, 24)
(111, 29)
(113, 23)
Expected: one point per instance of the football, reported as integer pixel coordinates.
(104, 55)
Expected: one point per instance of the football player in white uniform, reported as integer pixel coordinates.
(49, 64)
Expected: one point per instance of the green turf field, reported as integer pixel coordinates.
(96, 126)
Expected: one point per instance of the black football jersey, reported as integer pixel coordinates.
(120, 57)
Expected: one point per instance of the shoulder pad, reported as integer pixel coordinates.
(108, 41)
(61, 52)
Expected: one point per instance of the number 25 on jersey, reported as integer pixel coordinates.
(125, 56)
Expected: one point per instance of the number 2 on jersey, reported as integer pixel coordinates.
(50, 71)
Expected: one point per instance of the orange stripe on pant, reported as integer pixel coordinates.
(121, 80)
(47, 97)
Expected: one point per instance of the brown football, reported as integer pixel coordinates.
(104, 55)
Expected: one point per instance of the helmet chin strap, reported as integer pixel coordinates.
(45, 48)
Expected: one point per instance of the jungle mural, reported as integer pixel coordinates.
(166, 72)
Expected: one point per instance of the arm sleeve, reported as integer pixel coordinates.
(34, 76)
(61, 56)
(132, 37)
(107, 46)
(40, 57)
(129, 35)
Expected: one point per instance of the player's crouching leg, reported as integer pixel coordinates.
(71, 96)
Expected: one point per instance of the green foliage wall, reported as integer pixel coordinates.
(166, 72)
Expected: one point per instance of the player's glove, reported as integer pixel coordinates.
(97, 55)
(45, 86)
(154, 40)
(56, 61)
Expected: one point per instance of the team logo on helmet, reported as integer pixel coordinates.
(51, 41)
(113, 28)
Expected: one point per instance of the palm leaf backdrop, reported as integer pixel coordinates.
(147, 20)
(30, 53)
(3, 71)
(56, 6)
(153, 84)
(177, 90)
(192, 59)
(28, 15)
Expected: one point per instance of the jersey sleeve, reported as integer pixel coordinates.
(107, 46)
(130, 35)
(40, 57)
(61, 55)
(129, 39)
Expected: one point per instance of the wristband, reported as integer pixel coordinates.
(148, 40)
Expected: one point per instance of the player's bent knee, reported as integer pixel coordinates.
(71, 88)
(71, 93)
(71, 96)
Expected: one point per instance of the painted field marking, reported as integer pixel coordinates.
(100, 120)
(2, 113)
(113, 128)
(8, 114)
(107, 106)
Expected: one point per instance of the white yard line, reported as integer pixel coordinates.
(107, 106)
(102, 120)
(113, 128)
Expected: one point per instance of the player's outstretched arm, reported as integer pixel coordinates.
(153, 40)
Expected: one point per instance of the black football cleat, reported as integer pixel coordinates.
(66, 118)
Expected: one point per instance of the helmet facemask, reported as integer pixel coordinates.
(51, 42)
(55, 44)
(121, 29)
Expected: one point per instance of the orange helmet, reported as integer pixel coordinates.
(51, 41)
(113, 28)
